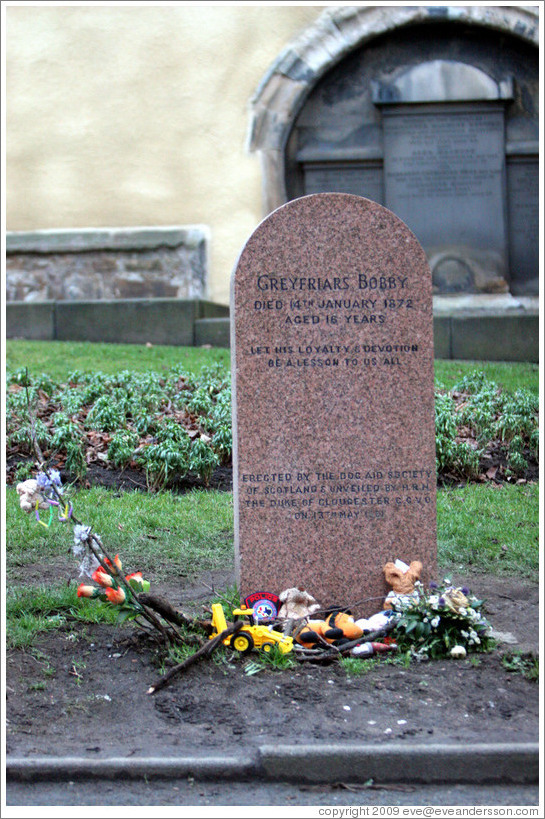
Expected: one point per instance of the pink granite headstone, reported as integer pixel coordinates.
(334, 438)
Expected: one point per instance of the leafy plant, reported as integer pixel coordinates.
(68, 438)
(122, 446)
(441, 621)
(525, 664)
(452, 455)
(167, 457)
(202, 460)
(106, 414)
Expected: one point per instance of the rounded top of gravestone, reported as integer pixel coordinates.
(323, 228)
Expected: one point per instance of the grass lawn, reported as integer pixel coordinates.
(168, 536)
(480, 526)
(58, 358)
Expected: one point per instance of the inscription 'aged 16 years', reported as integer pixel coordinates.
(334, 451)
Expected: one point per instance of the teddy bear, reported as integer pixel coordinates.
(30, 493)
(402, 579)
(297, 603)
(337, 628)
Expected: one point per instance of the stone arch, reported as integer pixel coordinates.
(338, 32)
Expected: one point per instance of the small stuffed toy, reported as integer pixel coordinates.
(297, 603)
(382, 621)
(29, 494)
(337, 628)
(402, 579)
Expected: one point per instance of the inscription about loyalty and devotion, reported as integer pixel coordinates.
(376, 305)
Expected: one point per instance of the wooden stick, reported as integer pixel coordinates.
(342, 649)
(205, 651)
(168, 612)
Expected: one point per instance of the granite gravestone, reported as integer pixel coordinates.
(334, 443)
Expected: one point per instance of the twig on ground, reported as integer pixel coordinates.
(203, 652)
(344, 648)
(168, 612)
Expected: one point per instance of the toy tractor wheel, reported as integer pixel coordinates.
(267, 647)
(242, 642)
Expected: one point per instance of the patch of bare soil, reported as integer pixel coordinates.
(82, 691)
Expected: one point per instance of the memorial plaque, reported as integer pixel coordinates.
(523, 206)
(361, 178)
(444, 175)
(334, 437)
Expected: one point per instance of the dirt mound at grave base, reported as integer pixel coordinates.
(82, 691)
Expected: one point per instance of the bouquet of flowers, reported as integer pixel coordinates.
(440, 621)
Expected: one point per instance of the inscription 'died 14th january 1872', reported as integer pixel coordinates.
(333, 411)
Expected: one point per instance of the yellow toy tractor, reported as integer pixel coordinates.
(249, 637)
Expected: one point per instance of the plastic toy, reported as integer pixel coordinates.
(249, 637)
(338, 628)
(370, 649)
(264, 606)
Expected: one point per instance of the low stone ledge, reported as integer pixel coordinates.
(213, 331)
(485, 763)
(430, 764)
(165, 262)
(465, 335)
(34, 321)
(116, 321)
(86, 239)
(507, 337)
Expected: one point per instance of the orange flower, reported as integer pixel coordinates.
(135, 576)
(137, 582)
(116, 596)
(117, 562)
(88, 591)
(103, 578)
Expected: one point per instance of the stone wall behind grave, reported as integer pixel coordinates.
(124, 263)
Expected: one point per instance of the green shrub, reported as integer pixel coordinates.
(121, 448)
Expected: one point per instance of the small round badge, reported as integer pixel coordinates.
(263, 611)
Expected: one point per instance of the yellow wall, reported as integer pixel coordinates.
(121, 116)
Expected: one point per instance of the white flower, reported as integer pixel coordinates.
(434, 601)
(88, 565)
(462, 611)
(88, 562)
(458, 652)
(435, 622)
(81, 533)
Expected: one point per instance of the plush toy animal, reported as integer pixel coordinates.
(402, 579)
(297, 603)
(29, 494)
(337, 628)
